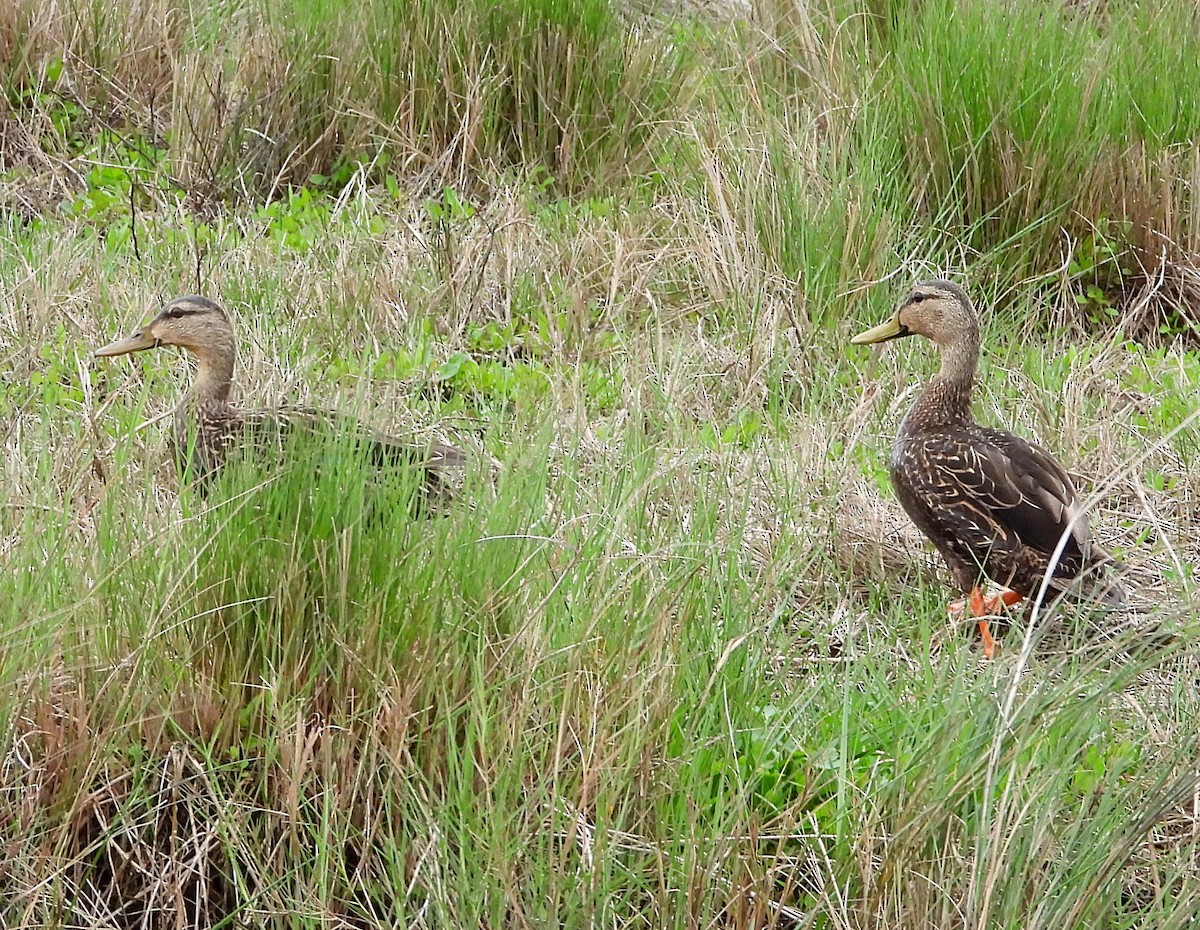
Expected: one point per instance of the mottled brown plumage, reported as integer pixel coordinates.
(995, 505)
(208, 426)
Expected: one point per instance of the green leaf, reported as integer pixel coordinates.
(451, 367)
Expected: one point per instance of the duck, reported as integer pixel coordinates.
(208, 426)
(995, 505)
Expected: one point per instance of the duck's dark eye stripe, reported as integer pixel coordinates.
(190, 306)
(174, 313)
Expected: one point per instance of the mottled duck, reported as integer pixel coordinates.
(208, 426)
(995, 505)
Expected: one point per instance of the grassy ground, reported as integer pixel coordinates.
(674, 657)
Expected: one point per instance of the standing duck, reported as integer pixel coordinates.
(995, 505)
(207, 425)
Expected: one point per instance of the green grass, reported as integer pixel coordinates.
(549, 701)
(673, 656)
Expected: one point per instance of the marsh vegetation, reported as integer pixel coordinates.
(673, 657)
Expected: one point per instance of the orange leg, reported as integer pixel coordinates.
(981, 608)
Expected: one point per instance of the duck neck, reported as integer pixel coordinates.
(946, 400)
(214, 377)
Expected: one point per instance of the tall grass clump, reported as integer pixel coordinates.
(575, 93)
(576, 90)
(306, 698)
(108, 62)
(249, 98)
(558, 697)
(813, 226)
(1048, 140)
(1020, 128)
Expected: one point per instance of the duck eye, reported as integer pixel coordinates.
(917, 298)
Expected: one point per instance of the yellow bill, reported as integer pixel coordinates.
(135, 343)
(892, 329)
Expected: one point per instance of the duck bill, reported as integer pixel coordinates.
(135, 343)
(892, 329)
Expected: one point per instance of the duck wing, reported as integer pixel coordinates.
(205, 437)
(272, 427)
(991, 502)
(1031, 493)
